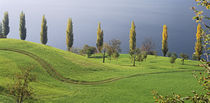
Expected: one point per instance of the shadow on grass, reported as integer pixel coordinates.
(152, 62)
(97, 57)
(2, 89)
(192, 65)
(182, 68)
(152, 68)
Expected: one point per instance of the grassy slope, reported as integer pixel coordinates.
(136, 89)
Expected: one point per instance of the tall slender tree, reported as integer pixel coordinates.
(5, 25)
(1, 30)
(22, 28)
(43, 32)
(132, 41)
(164, 40)
(198, 44)
(100, 39)
(69, 34)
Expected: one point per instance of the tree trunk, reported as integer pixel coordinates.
(182, 61)
(104, 56)
(68, 48)
(134, 61)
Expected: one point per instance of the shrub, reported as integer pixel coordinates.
(88, 50)
(173, 58)
(116, 54)
(21, 89)
(139, 58)
(184, 57)
(169, 54)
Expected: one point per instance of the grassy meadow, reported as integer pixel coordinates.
(132, 84)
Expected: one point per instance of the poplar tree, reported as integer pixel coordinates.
(100, 34)
(1, 30)
(5, 25)
(132, 41)
(69, 34)
(164, 40)
(22, 28)
(198, 44)
(43, 32)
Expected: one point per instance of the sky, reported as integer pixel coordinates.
(115, 16)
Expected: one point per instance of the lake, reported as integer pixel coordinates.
(115, 16)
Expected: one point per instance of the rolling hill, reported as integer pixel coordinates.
(66, 77)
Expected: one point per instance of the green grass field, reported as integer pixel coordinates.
(88, 80)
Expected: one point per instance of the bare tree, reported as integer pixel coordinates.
(109, 50)
(112, 49)
(115, 44)
(148, 46)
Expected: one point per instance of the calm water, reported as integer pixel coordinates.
(115, 16)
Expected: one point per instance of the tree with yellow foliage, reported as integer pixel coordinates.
(132, 37)
(198, 44)
(69, 34)
(164, 40)
(100, 39)
(132, 42)
(43, 32)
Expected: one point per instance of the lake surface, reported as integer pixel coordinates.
(115, 16)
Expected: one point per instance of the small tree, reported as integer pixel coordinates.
(69, 34)
(115, 48)
(22, 28)
(5, 25)
(183, 57)
(115, 44)
(139, 56)
(144, 54)
(43, 32)
(116, 55)
(21, 88)
(148, 46)
(173, 58)
(109, 51)
(164, 40)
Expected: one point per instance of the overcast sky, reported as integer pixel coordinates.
(115, 15)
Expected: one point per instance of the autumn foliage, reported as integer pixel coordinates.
(100, 39)
(164, 40)
(69, 34)
(198, 44)
(132, 42)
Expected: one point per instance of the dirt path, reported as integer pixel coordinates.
(53, 73)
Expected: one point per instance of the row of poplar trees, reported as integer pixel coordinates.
(4, 31)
